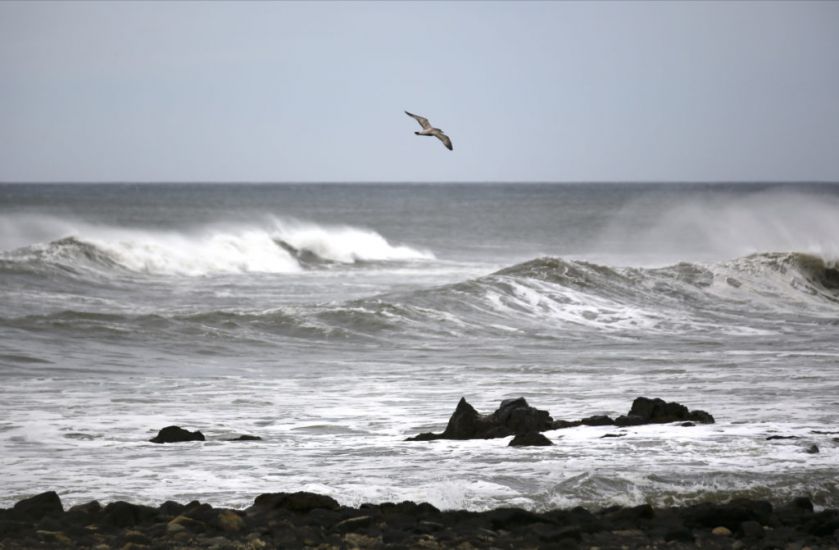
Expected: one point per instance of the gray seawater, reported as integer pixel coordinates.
(334, 321)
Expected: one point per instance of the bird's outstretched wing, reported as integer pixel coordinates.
(422, 120)
(444, 138)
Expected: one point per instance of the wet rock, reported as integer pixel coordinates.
(751, 530)
(513, 417)
(296, 502)
(246, 438)
(823, 524)
(657, 411)
(598, 420)
(777, 437)
(531, 439)
(679, 534)
(35, 508)
(562, 424)
(176, 434)
(812, 449)
(354, 524)
(171, 508)
(125, 514)
(729, 515)
(229, 521)
(612, 435)
(299, 520)
(511, 518)
(55, 537)
(92, 507)
(185, 523)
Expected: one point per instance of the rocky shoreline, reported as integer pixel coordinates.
(308, 520)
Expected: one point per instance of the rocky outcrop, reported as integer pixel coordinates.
(516, 417)
(657, 411)
(176, 434)
(513, 417)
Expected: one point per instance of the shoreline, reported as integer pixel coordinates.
(309, 520)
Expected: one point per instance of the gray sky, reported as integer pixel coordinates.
(547, 91)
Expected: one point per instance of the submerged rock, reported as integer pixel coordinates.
(513, 417)
(176, 434)
(530, 439)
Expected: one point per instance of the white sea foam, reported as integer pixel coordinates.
(207, 250)
(343, 243)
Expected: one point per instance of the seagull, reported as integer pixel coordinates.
(428, 130)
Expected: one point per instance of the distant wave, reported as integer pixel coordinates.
(744, 296)
(277, 247)
(741, 296)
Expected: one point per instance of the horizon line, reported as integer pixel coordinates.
(417, 182)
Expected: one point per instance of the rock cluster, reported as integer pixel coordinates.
(308, 520)
(516, 417)
(513, 417)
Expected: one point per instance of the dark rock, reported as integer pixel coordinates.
(687, 424)
(532, 439)
(200, 512)
(513, 417)
(598, 420)
(824, 523)
(171, 508)
(354, 524)
(729, 515)
(92, 507)
(802, 503)
(554, 533)
(628, 517)
(49, 523)
(176, 434)
(627, 420)
(775, 437)
(11, 528)
(751, 530)
(679, 534)
(510, 518)
(657, 411)
(562, 424)
(812, 449)
(611, 435)
(35, 508)
(246, 438)
(701, 416)
(125, 514)
(296, 502)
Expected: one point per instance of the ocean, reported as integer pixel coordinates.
(334, 321)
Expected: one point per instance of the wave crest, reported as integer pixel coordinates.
(281, 247)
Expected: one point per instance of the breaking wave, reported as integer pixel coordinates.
(277, 247)
(544, 297)
(744, 296)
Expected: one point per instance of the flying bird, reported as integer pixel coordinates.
(428, 130)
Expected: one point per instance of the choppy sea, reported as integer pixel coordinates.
(334, 321)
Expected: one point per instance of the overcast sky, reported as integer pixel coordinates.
(542, 91)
